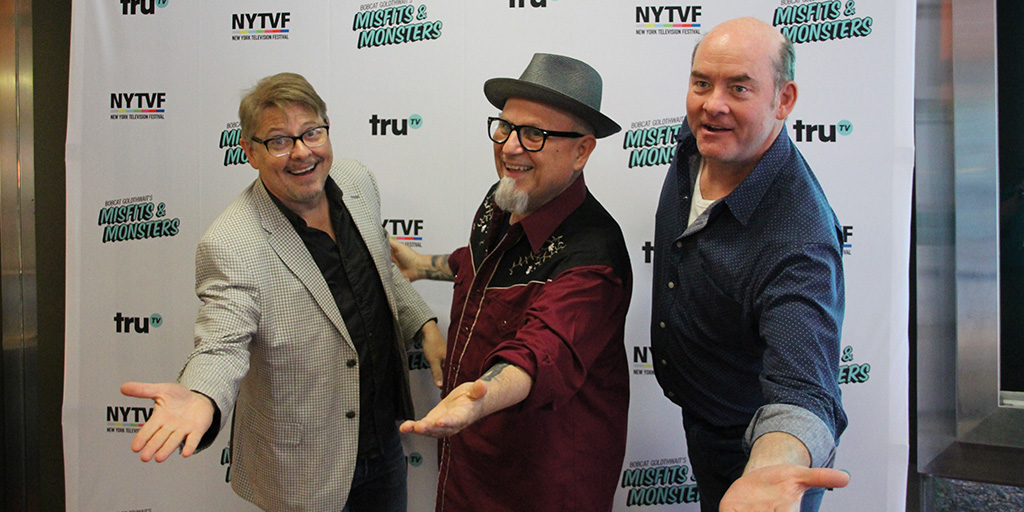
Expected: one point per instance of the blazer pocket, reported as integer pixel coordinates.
(278, 433)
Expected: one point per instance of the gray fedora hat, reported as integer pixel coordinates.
(562, 82)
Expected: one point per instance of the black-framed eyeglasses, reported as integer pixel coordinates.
(530, 137)
(283, 144)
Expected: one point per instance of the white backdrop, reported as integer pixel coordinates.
(152, 159)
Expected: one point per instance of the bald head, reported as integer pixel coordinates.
(754, 35)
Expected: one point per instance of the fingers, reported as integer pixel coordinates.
(191, 443)
(434, 349)
(436, 361)
(437, 372)
(142, 437)
(171, 443)
(154, 444)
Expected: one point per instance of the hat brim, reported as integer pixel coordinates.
(499, 90)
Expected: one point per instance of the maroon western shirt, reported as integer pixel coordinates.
(548, 295)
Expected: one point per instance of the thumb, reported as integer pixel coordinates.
(139, 390)
(828, 478)
(478, 391)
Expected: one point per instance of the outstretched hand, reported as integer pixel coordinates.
(180, 418)
(456, 411)
(778, 488)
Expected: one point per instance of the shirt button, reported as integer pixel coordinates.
(671, 394)
(664, 362)
(350, 414)
(350, 363)
(679, 245)
(661, 324)
(671, 284)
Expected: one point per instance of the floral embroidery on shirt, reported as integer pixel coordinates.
(532, 261)
(485, 219)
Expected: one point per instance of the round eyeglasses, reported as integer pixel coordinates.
(530, 137)
(283, 144)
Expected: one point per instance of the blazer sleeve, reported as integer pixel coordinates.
(226, 324)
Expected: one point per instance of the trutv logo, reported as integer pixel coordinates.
(513, 4)
(134, 7)
(804, 132)
(380, 126)
(140, 325)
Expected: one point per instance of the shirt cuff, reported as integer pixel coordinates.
(211, 433)
(799, 423)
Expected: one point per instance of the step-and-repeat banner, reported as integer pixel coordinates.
(153, 158)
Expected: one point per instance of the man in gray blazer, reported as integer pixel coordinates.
(302, 326)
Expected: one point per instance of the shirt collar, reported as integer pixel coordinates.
(540, 224)
(743, 200)
(334, 195)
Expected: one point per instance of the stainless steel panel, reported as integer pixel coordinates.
(17, 256)
(980, 419)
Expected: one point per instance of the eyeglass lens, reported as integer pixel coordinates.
(283, 145)
(530, 137)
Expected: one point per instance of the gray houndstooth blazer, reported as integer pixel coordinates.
(271, 344)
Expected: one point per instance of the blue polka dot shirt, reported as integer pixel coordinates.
(748, 301)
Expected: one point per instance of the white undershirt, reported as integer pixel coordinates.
(698, 204)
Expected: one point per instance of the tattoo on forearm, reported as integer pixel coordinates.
(439, 269)
(494, 371)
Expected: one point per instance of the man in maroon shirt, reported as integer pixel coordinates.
(536, 379)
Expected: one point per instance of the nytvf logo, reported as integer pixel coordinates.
(118, 414)
(260, 21)
(847, 235)
(667, 13)
(641, 361)
(404, 229)
(149, 101)
(825, 132)
(140, 325)
(133, 7)
(380, 126)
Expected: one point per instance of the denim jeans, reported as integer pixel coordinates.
(717, 459)
(379, 482)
